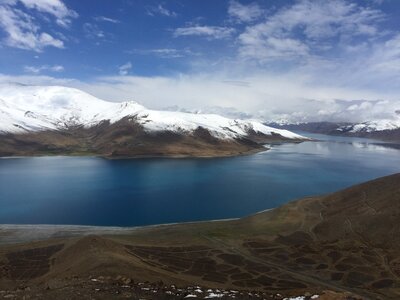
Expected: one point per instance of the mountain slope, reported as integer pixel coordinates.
(60, 120)
(347, 241)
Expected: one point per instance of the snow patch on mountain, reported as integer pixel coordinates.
(372, 126)
(36, 108)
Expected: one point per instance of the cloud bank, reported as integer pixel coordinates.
(265, 97)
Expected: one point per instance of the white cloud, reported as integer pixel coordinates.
(266, 96)
(270, 48)
(125, 68)
(57, 68)
(55, 8)
(32, 69)
(23, 33)
(160, 10)
(39, 69)
(212, 32)
(386, 57)
(23, 30)
(106, 19)
(374, 65)
(92, 31)
(306, 28)
(165, 52)
(244, 13)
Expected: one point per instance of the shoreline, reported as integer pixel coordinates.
(99, 227)
(262, 148)
(183, 156)
(23, 233)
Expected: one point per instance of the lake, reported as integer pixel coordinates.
(96, 191)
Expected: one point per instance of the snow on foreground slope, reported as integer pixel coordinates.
(37, 108)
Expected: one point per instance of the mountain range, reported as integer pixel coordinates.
(385, 130)
(55, 120)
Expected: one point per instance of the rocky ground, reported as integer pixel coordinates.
(120, 287)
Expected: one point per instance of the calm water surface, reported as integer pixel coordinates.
(96, 191)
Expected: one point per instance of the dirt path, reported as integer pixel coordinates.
(300, 276)
(383, 258)
(368, 204)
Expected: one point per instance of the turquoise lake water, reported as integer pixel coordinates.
(96, 191)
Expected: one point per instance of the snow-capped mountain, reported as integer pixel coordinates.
(385, 129)
(372, 126)
(36, 108)
(228, 112)
(59, 120)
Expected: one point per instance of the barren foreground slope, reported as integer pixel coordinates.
(347, 242)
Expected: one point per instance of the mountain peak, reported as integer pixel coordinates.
(37, 108)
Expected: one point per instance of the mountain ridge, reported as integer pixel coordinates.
(388, 130)
(54, 120)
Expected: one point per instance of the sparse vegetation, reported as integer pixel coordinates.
(346, 242)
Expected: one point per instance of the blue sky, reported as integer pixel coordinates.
(301, 60)
(100, 38)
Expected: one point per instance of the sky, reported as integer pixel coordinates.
(296, 60)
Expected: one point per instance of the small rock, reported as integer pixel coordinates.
(55, 284)
(127, 295)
